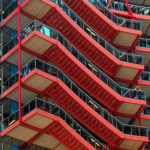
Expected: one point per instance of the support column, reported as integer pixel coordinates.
(19, 63)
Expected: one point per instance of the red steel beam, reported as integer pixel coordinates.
(31, 127)
(56, 146)
(136, 78)
(40, 133)
(29, 88)
(19, 63)
(137, 114)
(139, 120)
(108, 5)
(128, 6)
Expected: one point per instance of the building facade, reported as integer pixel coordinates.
(74, 75)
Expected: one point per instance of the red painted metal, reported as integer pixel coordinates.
(131, 15)
(56, 146)
(38, 55)
(58, 123)
(123, 114)
(40, 133)
(143, 145)
(130, 11)
(37, 91)
(46, 98)
(139, 118)
(31, 127)
(102, 66)
(137, 114)
(19, 62)
(136, 78)
(27, 87)
(108, 5)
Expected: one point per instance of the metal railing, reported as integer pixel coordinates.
(127, 23)
(54, 71)
(9, 9)
(117, 20)
(142, 10)
(146, 110)
(143, 42)
(57, 111)
(125, 57)
(145, 76)
(50, 32)
(131, 58)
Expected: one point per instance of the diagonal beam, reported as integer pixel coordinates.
(137, 114)
(31, 127)
(31, 52)
(29, 88)
(56, 146)
(41, 132)
(128, 6)
(108, 5)
(59, 139)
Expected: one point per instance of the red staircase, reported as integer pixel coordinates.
(88, 113)
(61, 134)
(87, 14)
(91, 119)
(57, 19)
(83, 77)
(101, 24)
(90, 48)
(85, 115)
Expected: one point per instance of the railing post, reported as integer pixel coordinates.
(139, 118)
(35, 63)
(36, 102)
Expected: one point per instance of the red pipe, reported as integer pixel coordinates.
(109, 4)
(130, 11)
(19, 64)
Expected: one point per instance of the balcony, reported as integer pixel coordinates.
(52, 82)
(38, 38)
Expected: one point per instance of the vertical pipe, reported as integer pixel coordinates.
(19, 63)
(2, 78)
(108, 5)
(135, 54)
